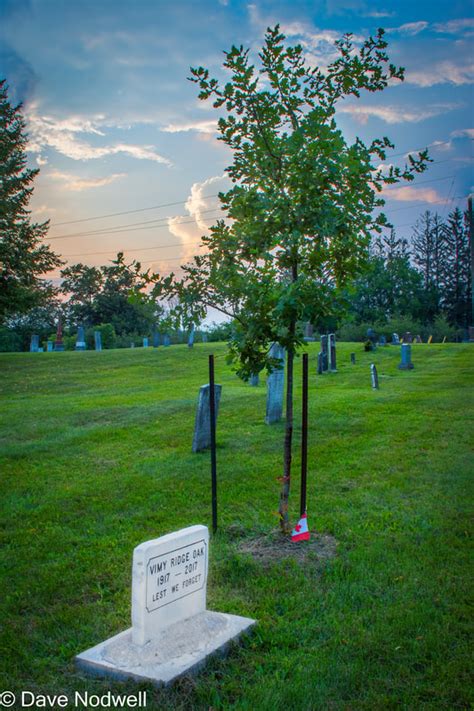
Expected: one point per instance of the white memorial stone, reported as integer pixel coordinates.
(172, 633)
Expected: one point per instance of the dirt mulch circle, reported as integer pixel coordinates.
(274, 547)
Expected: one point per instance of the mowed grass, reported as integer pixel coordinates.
(96, 458)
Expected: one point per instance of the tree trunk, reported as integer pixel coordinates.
(285, 489)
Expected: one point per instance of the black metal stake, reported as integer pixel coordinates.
(304, 436)
(212, 412)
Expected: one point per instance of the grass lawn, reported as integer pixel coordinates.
(96, 458)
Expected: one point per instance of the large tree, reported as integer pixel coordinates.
(24, 257)
(301, 208)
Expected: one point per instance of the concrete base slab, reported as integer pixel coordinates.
(180, 649)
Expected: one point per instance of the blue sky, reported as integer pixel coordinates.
(115, 127)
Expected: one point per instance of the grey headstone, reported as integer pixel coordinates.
(324, 351)
(166, 340)
(372, 337)
(308, 332)
(49, 346)
(145, 342)
(395, 339)
(202, 425)
(275, 387)
(353, 358)
(132, 345)
(34, 344)
(382, 341)
(406, 363)
(320, 363)
(156, 339)
(407, 337)
(80, 341)
(98, 340)
(254, 380)
(332, 352)
(374, 377)
(191, 338)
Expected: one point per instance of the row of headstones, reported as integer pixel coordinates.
(81, 344)
(275, 392)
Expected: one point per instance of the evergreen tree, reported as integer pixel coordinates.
(23, 256)
(456, 285)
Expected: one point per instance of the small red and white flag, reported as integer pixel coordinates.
(301, 531)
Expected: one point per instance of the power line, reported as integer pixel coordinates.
(132, 249)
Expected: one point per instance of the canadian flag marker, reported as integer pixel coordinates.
(301, 531)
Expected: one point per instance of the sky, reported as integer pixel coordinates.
(128, 156)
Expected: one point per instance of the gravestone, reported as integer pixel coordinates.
(471, 334)
(353, 358)
(49, 346)
(395, 339)
(406, 363)
(275, 386)
(320, 363)
(417, 339)
(98, 340)
(430, 340)
(34, 343)
(308, 332)
(407, 337)
(332, 353)
(202, 424)
(172, 632)
(374, 376)
(191, 338)
(382, 341)
(132, 344)
(145, 342)
(58, 343)
(324, 351)
(80, 341)
(254, 380)
(372, 337)
(156, 339)
(166, 340)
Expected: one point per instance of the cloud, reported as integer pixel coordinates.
(45, 131)
(393, 114)
(412, 194)
(200, 126)
(410, 28)
(201, 209)
(454, 27)
(43, 210)
(77, 184)
(376, 13)
(446, 72)
(463, 133)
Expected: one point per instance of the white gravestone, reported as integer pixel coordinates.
(172, 633)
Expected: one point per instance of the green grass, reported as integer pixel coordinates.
(96, 458)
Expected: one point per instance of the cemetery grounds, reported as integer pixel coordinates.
(96, 458)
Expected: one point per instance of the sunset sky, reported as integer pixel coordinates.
(116, 128)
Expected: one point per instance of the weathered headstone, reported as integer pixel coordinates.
(172, 633)
(407, 337)
(308, 332)
(254, 380)
(191, 338)
(166, 340)
(80, 341)
(374, 376)
(34, 343)
(58, 343)
(372, 337)
(132, 344)
(49, 346)
(98, 340)
(275, 386)
(332, 352)
(353, 358)
(202, 424)
(145, 342)
(320, 363)
(382, 341)
(324, 351)
(406, 363)
(418, 339)
(395, 339)
(156, 339)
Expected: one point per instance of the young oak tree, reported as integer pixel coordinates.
(24, 258)
(301, 206)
